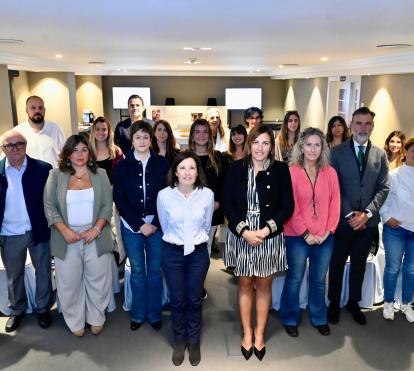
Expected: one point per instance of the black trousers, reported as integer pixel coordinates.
(357, 245)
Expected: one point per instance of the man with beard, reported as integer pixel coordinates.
(363, 177)
(136, 110)
(45, 139)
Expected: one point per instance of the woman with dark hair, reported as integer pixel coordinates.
(238, 136)
(253, 117)
(78, 205)
(394, 147)
(163, 142)
(288, 136)
(309, 232)
(257, 201)
(138, 179)
(214, 166)
(108, 154)
(185, 209)
(216, 126)
(338, 131)
(398, 235)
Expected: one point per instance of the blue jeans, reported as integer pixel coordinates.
(297, 252)
(185, 277)
(145, 257)
(398, 242)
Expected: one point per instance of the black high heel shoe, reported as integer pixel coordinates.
(259, 353)
(247, 353)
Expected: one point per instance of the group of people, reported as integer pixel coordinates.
(300, 199)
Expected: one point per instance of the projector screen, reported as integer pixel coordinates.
(120, 96)
(243, 98)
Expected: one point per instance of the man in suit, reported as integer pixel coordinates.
(363, 176)
(23, 227)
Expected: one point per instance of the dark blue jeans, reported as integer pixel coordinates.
(145, 257)
(297, 252)
(185, 277)
(398, 243)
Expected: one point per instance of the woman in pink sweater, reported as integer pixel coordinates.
(309, 232)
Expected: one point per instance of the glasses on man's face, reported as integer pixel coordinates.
(13, 146)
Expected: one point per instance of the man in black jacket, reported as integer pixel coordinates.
(24, 227)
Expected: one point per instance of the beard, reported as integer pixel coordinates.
(361, 138)
(37, 118)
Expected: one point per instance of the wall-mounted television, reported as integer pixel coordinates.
(120, 96)
(243, 98)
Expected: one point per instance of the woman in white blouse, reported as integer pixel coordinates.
(185, 210)
(398, 235)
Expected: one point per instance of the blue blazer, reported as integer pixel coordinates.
(129, 191)
(33, 181)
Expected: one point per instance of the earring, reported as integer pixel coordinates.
(90, 163)
(68, 163)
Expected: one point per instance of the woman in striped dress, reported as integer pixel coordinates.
(257, 200)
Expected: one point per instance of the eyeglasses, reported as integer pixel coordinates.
(11, 146)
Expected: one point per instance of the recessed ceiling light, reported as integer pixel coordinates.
(192, 61)
(195, 48)
(59, 56)
(96, 63)
(394, 46)
(288, 65)
(281, 66)
(10, 41)
(258, 70)
(324, 59)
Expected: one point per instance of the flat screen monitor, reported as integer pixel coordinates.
(120, 96)
(243, 98)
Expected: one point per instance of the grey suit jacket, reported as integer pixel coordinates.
(361, 189)
(56, 209)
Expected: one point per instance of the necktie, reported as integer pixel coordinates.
(361, 155)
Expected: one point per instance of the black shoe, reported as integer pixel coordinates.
(292, 331)
(13, 322)
(178, 353)
(204, 294)
(194, 354)
(324, 330)
(44, 319)
(259, 353)
(156, 325)
(246, 353)
(135, 325)
(334, 311)
(215, 249)
(357, 315)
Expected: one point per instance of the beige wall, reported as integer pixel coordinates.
(308, 97)
(89, 95)
(6, 116)
(196, 90)
(21, 92)
(391, 97)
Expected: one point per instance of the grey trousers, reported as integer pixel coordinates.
(84, 285)
(13, 253)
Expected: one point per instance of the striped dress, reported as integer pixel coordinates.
(260, 261)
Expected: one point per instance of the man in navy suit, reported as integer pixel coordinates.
(23, 227)
(363, 177)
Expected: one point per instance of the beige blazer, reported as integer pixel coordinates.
(54, 198)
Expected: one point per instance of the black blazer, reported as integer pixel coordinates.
(33, 181)
(129, 192)
(274, 188)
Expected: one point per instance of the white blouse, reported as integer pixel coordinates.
(400, 201)
(79, 205)
(185, 220)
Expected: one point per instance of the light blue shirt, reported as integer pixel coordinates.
(16, 219)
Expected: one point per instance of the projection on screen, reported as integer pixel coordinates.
(120, 96)
(243, 98)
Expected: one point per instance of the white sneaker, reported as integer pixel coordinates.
(388, 311)
(408, 311)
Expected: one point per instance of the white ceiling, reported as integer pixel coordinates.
(248, 38)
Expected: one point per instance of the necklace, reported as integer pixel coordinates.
(80, 177)
(313, 185)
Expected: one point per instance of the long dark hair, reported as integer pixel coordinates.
(239, 129)
(345, 134)
(171, 151)
(253, 135)
(283, 136)
(399, 134)
(68, 148)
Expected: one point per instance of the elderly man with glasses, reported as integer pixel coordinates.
(23, 227)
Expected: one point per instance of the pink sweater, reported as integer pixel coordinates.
(317, 216)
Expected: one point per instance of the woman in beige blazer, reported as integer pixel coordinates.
(78, 207)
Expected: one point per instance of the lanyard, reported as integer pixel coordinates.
(313, 185)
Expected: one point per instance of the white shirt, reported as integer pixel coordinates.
(221, 143)
(79, 203)
(185, 220)
(400, 201)
(357, 145)
(16, 219)
(44, 144)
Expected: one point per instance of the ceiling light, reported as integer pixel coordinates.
(10, 41)
(196, 48)
(324, 59)
(281, 65)
(288, 65)
(59, 56)
(258, 70)
(393, 46)
(192, 61)
(96, 63)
